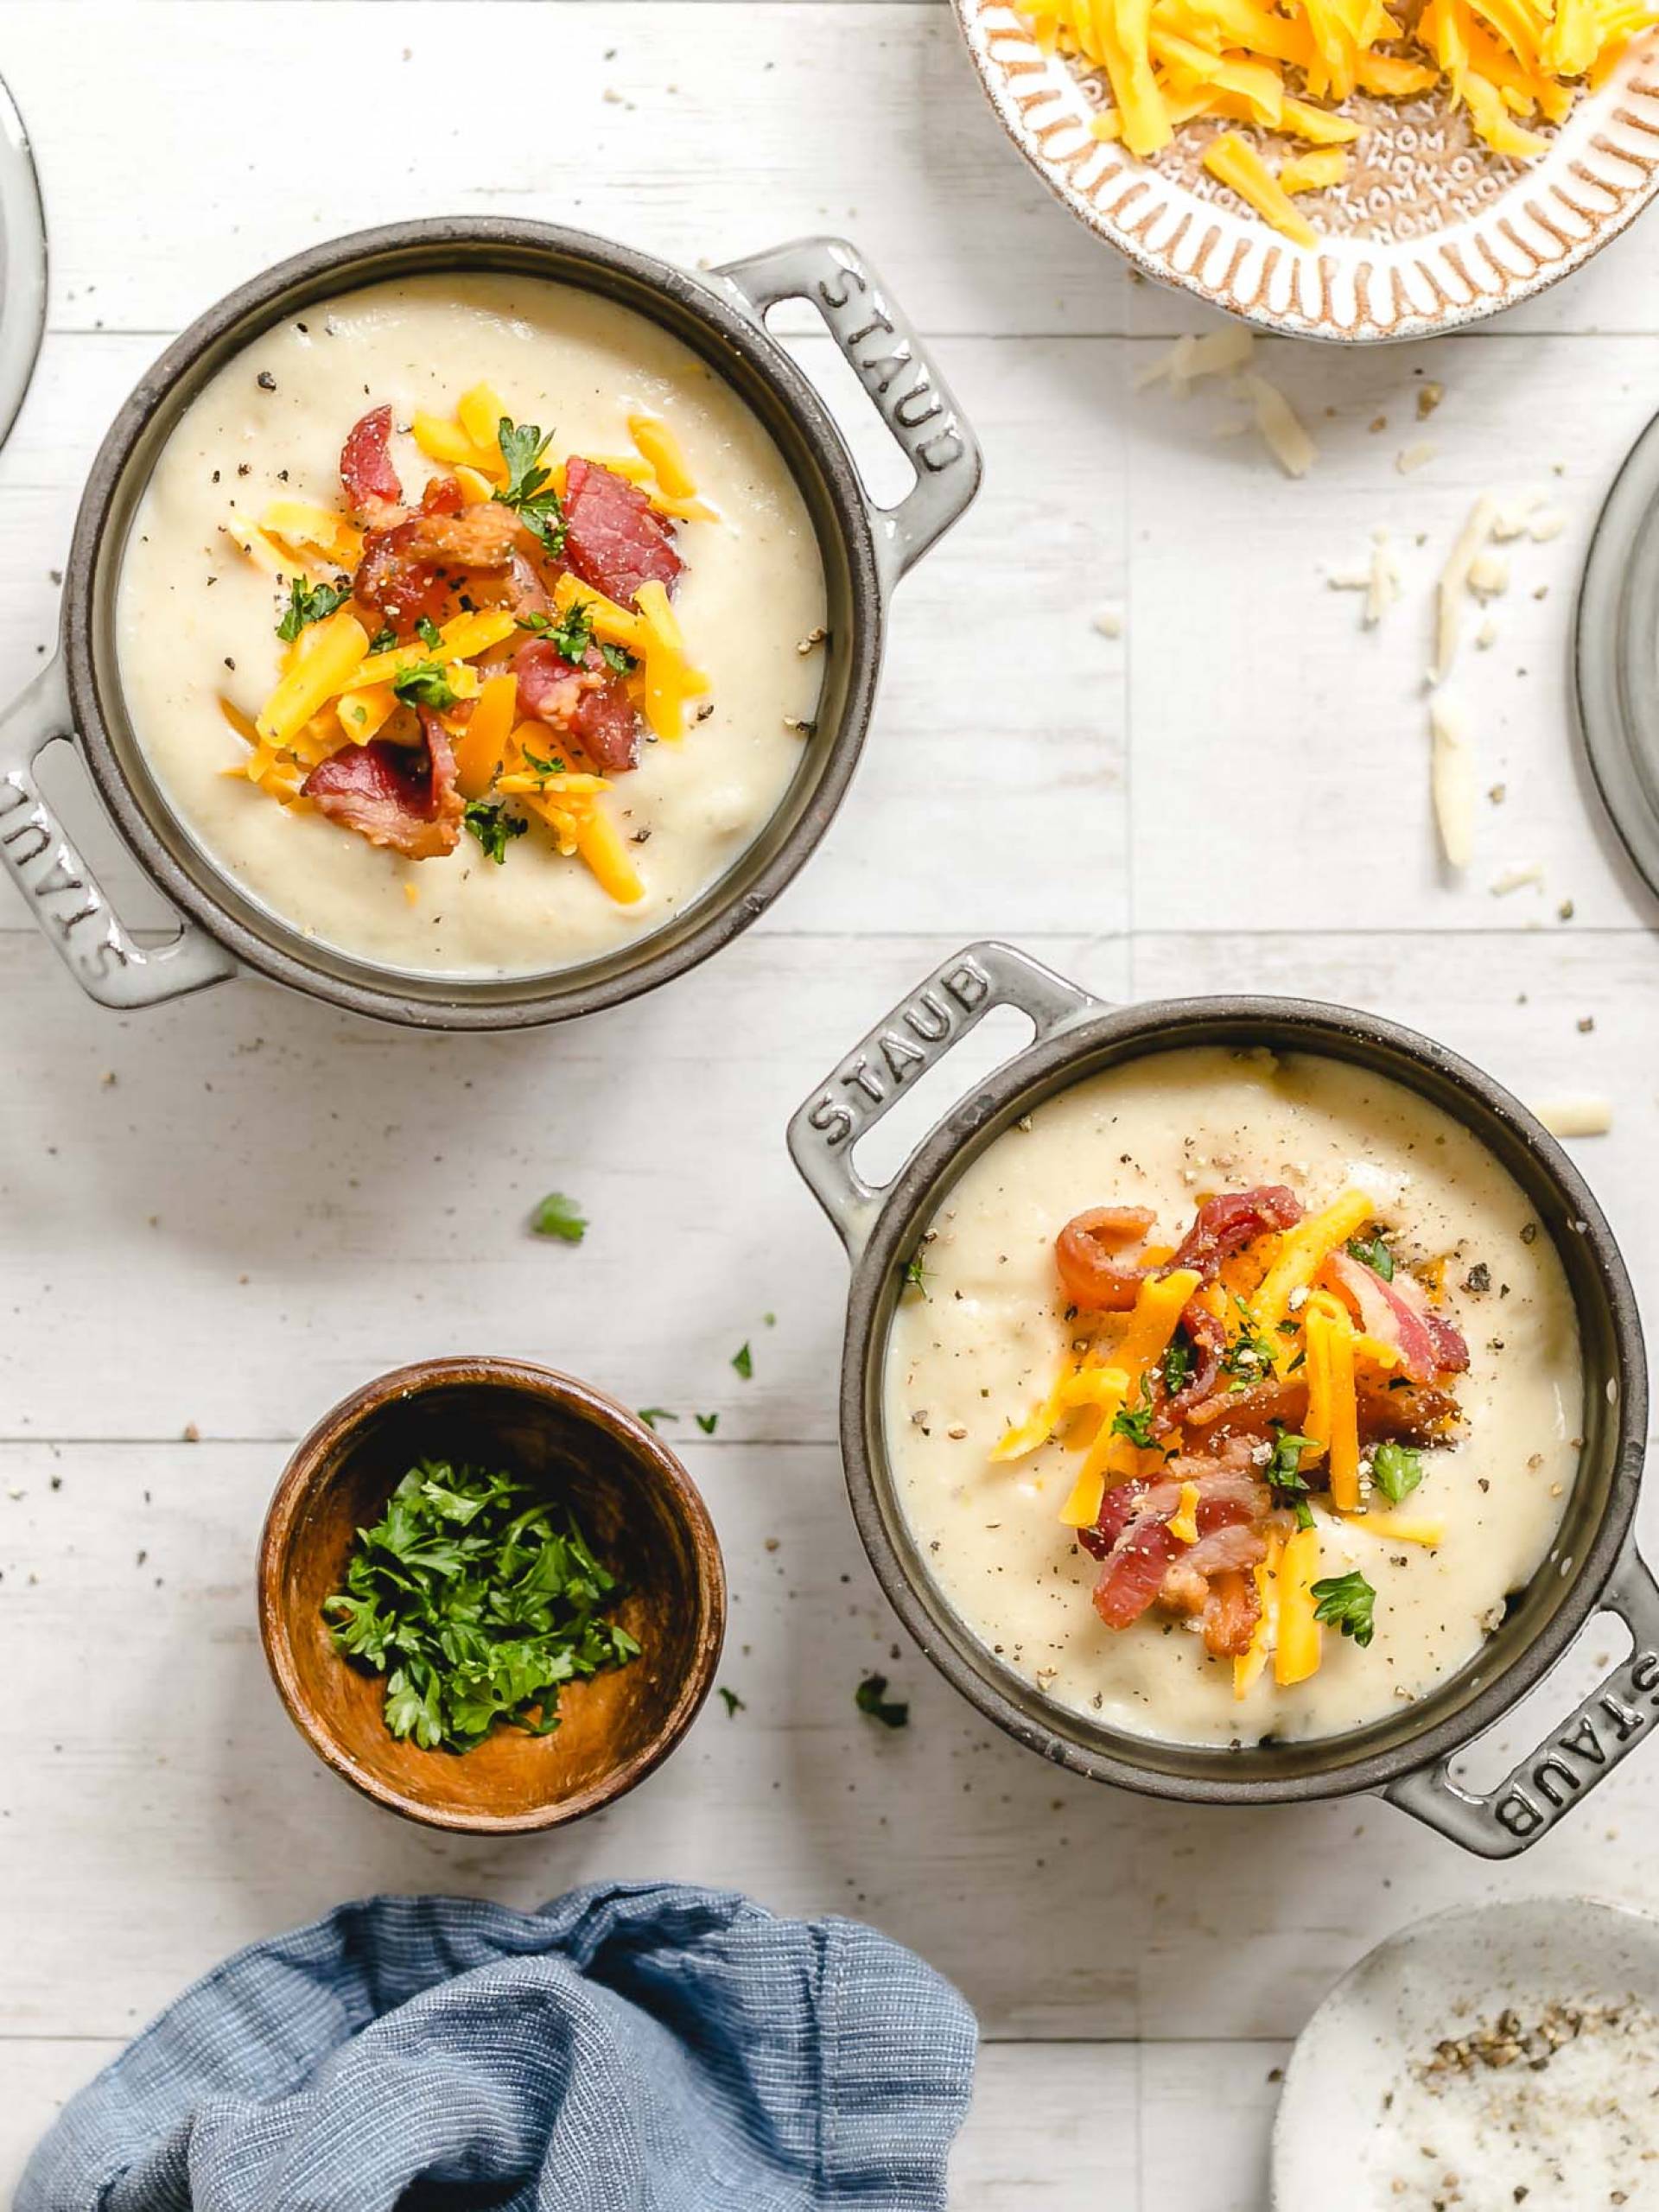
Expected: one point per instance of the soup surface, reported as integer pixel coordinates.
(979, 1342)
(196, 617)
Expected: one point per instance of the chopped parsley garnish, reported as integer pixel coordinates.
(730, 1700)
(494, 826)
(1396, 1470)
(544, 764)
(529, 487)
(652, 1414)
(708, 1423)
(1176, 1366)
(476, 1601)
(557, 1216)
(571, 634)
(308, 603)
(429, 634)
(618, 659)
(918, 1274)
(1284, 1475)
(426, 684)
(871, 1697)
(1345, 1600)
(383, 641)
(743, 1360)
(1249, 1358)
(1371, 1252)
(1135, 1423)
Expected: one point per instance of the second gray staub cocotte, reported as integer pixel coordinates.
(1595, 1565)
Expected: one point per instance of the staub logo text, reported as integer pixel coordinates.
(938, 1012)
(890, 373)
(49, 878)
(1596, 1740)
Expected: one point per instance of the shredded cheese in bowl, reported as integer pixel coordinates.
(1287, 72)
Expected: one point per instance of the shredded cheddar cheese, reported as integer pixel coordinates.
(1299, 1638)
(1508, 64)
(1183, 1520)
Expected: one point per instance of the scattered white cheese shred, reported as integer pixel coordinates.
(1454, 581)
(1517, 878)
(1110, 622)
(1486, 636)
(1489, 575)
(1385, 585)
(1415, 457)
(1213, 355)
(1282, 431)
(1451, 782)
(1544, 527)
(1379, 580)
(1512, 521)
(1579, 1114)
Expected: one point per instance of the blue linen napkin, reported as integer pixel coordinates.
(632, 2047)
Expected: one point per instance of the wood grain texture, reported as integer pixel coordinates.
(222, 1216)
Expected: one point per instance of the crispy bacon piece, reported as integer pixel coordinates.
(394, 795)
(589, 705)
(1092, 1276)
(614, 539)
(1086, 1252)
(412, 569)
(1227, 1224)
(1207, 1334)
(1399, 1313)
(365, 468)
(1398, 1408)
(1143, 1563)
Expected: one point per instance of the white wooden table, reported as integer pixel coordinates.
(209, 1224)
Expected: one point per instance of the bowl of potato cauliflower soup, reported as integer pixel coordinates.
(475, 623)
(1244, 1400)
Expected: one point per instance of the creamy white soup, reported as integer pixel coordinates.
(1477, 1465)
(197, 615)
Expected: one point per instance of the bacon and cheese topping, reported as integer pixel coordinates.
(1216, 1390)
(489, 656)
(1284, 70)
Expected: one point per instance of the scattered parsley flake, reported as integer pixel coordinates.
(1396, 1470)
(708, 1423)
(529, 487)
(429, 634)
(1284, 1475)
(1135, 1423)
(918, 1274)
(871, 1697)
(617, 658)
(494, 826)
(426, 684)
(308, 603)
(557, 1216)
(383, 641)
(1346, 1600)
(1371, 1252)
(652, 1414)
(743, 1360)
(733, 1703)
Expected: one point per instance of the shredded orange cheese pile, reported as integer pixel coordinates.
(1287, 69)
(332, 690)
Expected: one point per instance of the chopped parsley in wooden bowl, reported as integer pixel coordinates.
(491, 1597)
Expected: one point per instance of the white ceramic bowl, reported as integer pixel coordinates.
(1568, 2134)
(1430, 233)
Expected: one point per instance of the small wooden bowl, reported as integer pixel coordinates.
(635, 1503)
